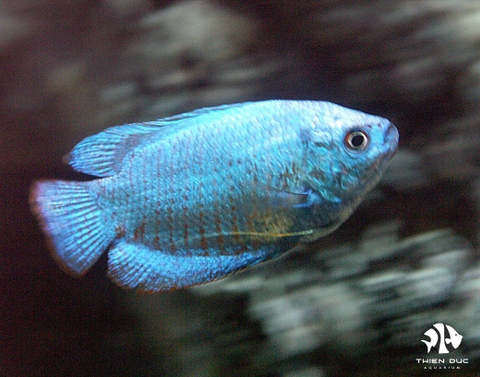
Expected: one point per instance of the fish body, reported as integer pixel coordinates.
(192, 198)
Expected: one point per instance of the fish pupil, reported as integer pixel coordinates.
(356, 140)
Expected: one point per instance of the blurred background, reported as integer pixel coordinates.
(353, 304)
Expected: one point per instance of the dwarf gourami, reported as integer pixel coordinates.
(189, 199)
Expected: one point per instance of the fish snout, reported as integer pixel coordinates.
(391, 135)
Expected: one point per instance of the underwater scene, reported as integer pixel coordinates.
(239, 188)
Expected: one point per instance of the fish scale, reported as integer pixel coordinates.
(196, 196)
(192, 198)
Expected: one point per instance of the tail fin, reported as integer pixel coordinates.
(72, 222)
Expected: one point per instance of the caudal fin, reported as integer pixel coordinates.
(72, 222)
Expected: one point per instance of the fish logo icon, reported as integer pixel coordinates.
(442, 335)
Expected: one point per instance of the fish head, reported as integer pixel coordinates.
(347, 151)
(455, 338)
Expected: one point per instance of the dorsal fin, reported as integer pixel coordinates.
(101, 155)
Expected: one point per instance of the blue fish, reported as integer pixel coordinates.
(189, 199)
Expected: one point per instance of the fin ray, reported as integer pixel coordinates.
(138, 267)
(101, 155)
(72, 222)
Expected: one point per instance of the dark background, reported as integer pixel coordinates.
(355, 303)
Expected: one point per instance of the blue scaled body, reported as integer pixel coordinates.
(192, 198)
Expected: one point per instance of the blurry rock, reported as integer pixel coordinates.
(120, 65)
(468, 314)
(195, 53)
(453, 151)
(13, 30)
(126, 9)
(469, 85)
(402, 286)
(342, 262)
(406, 171)
(379, 241)
(311, 371)
(406, 48)
(311, 318)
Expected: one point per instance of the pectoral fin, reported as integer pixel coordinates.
(304, 198)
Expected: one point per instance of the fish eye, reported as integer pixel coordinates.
(356, 140)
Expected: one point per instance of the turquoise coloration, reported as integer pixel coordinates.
(192, 198)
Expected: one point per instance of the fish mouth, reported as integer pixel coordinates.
(389, 149)
(391, 138)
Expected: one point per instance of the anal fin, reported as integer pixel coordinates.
(138, 267)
